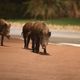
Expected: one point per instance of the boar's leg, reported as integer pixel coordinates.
(28, 40)
(37, 45)
(45, 52)
(8, 36)
(2, 39)
(33, 45)
(24, 41)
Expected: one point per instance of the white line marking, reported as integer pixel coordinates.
(70, 44)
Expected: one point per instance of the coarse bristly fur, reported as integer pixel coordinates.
(38, 32)
(4, 30)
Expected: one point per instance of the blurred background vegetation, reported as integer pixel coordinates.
(39, 9)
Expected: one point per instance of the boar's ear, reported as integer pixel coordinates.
(49, 34)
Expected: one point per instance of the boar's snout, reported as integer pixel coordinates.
(44, 46)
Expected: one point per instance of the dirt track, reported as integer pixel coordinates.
(17, 63)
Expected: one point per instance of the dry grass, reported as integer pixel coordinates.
(74, 28)
(65, 27)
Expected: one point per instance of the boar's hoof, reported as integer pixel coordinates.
(1, 44)
(35, 51)
(25, 47)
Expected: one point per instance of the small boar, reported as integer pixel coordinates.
(26, 31)
(4, 30)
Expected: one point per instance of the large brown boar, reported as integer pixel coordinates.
(26, 31)
(4, 30)
(40, 36)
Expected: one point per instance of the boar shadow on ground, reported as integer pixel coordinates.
(42, 53)
(27, 48)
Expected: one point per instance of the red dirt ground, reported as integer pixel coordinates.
(17, 63)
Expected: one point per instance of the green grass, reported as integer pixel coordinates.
(65, 21)
(19, 20)
(62, 21)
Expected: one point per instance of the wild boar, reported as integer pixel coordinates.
(4, 30)
(40, 35)
(26, 31)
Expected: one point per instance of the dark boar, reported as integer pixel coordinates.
(26, 31)
(4, 30)
(40, 36)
